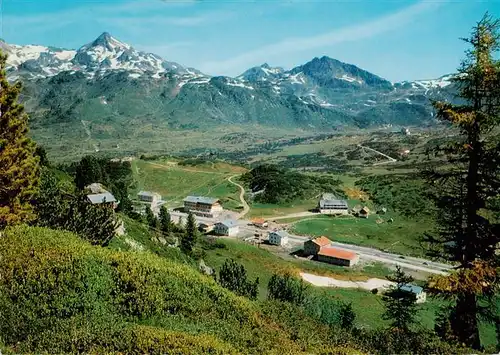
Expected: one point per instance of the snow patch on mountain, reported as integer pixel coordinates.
(350, 79)
(441, 82)
(239, 84)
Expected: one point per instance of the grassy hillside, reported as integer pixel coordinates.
(401, 236)
(262, 264)
(60, 294)
(174, 180)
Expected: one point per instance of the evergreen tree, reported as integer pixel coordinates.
(287, 288)
(42, 155)
(466, 190)
(94, 223)
(188, 239)
(60, 210)
(151, 219)
(51, 205)
(88, 171)
(165, 221)
(442, 325)
(233, 276)
(346, 315)
(400, 305)
(19, 164)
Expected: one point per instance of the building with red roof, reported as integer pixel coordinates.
(322, 250)
(337, 256)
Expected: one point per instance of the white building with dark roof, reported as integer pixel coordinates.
(329, 204)
(417, 290)
(105, 198)
(227, 227)
(278, 238)
(203, 206)
(149, 197)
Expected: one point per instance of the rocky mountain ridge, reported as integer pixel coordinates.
(117, 91)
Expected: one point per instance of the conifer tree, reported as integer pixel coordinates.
(233, 276)
(165, 221)
(400, 306)
(51, 205)
(188, 239)
(466, 188)
(19, 164)
(151, 218)
(88, 171)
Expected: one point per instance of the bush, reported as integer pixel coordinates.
(286, 288)
(60, 294)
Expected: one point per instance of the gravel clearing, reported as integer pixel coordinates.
(323, 281)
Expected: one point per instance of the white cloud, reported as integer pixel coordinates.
(181, 21)
(165, 50)
(58, 19)
(293, 45)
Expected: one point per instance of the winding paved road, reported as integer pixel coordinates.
(246, 207)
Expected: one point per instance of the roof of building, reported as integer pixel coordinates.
(229, 223)
(365, 209)
(321, 241)
(100, 198)
(148, 193)
(281, 233)
(205, 224)
(336, 203)
(337, 253)
(201, 199)
(412, 288)
(259, 220)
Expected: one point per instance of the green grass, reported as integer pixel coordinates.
(174, 182)
(368, 307)
(273, 210)
(261, 263)
(138, 232)
(401, 236)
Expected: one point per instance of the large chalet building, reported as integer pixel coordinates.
(203, 206)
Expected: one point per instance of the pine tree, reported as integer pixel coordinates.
(51, 205)
(400, 304)
(151, 219)
(88, 171)
(19, 164)
(233, 276)
(188, 239)
(287, 288)
(165, 221)
(466, 190)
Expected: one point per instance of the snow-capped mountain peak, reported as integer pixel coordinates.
(110, 43)
(106, 53)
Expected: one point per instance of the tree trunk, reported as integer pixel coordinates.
(464, 321)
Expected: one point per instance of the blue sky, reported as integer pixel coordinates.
(398, 40)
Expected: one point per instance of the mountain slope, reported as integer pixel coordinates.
(62, 295)
(107, 89)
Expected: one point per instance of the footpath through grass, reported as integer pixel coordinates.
(174, 182)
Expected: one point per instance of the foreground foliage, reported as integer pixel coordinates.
(19, 163)
(466, 195)
(60, 294)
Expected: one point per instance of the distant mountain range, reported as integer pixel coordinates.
(112, 85)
